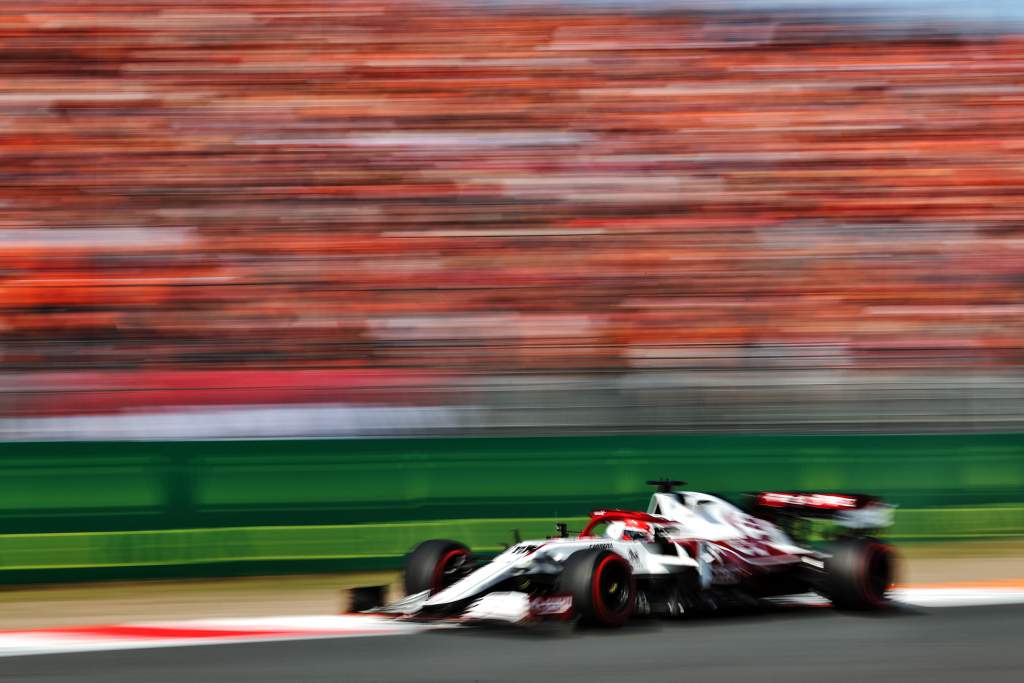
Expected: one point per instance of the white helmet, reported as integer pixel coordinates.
(630, 530)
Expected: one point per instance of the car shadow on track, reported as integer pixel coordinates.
(763, 615)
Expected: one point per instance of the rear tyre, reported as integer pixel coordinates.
(435, 565)
(859, 573)
(602, 587)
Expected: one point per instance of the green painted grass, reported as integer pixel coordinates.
(380, 544)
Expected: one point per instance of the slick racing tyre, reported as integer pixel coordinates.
(435, 565)
(602, 587)
(859, 573)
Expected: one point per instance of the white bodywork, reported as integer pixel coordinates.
(682, 532)
(714, 528)
(546, 557)
(710, 518)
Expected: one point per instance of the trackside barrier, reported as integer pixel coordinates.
(88, 510)
(347, 545)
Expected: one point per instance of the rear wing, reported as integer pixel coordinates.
(854, 511)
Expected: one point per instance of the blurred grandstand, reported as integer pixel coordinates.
(310, 218)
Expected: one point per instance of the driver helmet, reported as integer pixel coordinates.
(631, 530)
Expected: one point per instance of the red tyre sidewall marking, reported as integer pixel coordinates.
(446, 559)
(595, 591)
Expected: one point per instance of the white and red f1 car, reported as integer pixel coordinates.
(689, 553)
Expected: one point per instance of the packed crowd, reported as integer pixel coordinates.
(393, 184)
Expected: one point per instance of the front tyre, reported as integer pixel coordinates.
(435, 565)
(602, 587)
(859, 573)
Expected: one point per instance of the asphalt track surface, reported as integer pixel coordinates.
(806, 644)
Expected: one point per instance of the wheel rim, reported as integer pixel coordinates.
(612, 586)
(448, 569)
